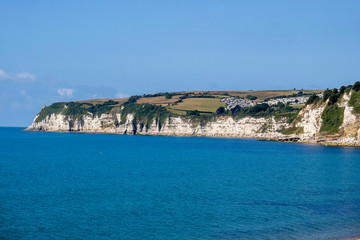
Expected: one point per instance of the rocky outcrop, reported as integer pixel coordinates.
(310, 120)
(307, 126)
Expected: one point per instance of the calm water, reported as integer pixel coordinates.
(97, 186)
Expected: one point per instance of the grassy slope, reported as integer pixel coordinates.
(355, 102)
(332, 117)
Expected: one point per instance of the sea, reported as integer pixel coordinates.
(106, 186)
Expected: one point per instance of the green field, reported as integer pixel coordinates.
(206, 102)
(158, 100)
(200, 104)
(102, 100)
(262, 95)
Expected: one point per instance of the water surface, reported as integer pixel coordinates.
(100, 186)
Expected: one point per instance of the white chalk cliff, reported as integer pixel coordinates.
(308, 122)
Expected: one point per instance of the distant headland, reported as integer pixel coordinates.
(329, 117)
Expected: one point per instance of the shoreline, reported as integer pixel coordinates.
(314, 141)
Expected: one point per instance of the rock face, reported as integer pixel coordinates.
(224, 126)
(310, 120)
(308, 123)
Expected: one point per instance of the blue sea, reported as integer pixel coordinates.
(102, 186)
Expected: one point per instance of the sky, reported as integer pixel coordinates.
(54, 51)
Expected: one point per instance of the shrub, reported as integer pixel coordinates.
(133, 99)
(348, 89)
(260, 107)
(110, 102)
(312, 99)
(251, 97)
(332, 117)
(280, 105)
(286, 109)
(355, 101)
(342, 90)
(235, 109)
(220, 110)
(332, 99)
(193, 113)
(356, 86)
(327, 94)
(145, 113)
(260, 110)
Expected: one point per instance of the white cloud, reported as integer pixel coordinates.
(16, 76)
(3, 75)
(121, 95)
(25, 75)
(66, 92)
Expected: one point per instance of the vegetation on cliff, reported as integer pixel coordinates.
(55, 108)
(251, 97)
(333, 95)
(203, 107)
(76, 110)
(355, 98)
(312, 99)
(332, 115)
(144, 115)
(332, 118)
(264, 110)
(293, 130)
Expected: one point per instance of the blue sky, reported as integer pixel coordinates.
(71, 50)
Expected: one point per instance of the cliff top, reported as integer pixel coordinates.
(206, 102)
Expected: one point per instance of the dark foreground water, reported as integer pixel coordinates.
(97, 186)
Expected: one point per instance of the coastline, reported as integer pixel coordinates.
(313, 141)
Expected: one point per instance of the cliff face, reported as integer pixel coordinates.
(310, 121)
(223, 126)
(307, 127)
